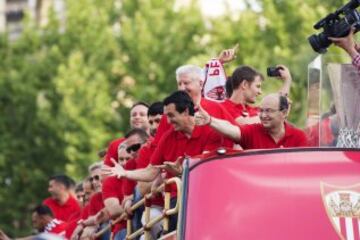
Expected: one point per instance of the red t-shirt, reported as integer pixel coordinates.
(63, 212)
(56, 226)
(112, 187)
(255, 136)
(240, 110)
(96, 204)
(176, 144)
(112, 151)
(215, 109)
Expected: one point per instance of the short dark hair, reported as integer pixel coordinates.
(42, 210)
(283, 103)
(63, 179)
(156, 108)
(182, 101)
(141, 103)
(79, 187)
(244, 73)
(138, 131)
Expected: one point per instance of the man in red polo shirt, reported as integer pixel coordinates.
(245, 85)
(62, 204)
(272, 132)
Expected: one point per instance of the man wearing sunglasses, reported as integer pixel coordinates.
(272, 132)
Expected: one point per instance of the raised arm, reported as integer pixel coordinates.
(145, 175)
(222, 126)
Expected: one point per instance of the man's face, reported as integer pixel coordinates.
(37, 222)
(80, 197)
(88, 191)
(189, 85)
(56, 189)
(178, 120)
(270, 115)
(154, 123)
(252, 90)
(133, 145)
(96, 179)
(138, 117)
(123, 156)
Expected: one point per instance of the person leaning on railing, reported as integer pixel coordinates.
(350, 46)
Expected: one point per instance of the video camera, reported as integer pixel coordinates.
(335, 26)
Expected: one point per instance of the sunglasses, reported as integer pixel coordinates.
(133, 148)
(96, 177)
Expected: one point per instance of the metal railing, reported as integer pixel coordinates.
(149, 223)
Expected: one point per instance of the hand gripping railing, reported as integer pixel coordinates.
(149, 223)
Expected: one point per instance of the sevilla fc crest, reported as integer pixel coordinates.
(343, 208)
(217, 93)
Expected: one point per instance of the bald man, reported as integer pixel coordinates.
(273, 131)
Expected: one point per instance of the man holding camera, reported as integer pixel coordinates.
(350, 46)
(246, 87)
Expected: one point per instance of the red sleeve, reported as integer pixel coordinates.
(157, 156)
(163, 127)
(110, 187)
(112, 151)
(246, 134)
(96, 204)
(214, 140)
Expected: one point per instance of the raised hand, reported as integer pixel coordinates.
(202, 117)
(117, 170)
(347, 43)
(228, 55)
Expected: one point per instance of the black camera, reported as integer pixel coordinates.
(335, 26)
(273, 71)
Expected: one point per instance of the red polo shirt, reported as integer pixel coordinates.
(112, 151)
(63, 212)
(240, 110)
(215, 109)
(112, 187)
(255, 136)
(96, 204)
(176, 144)
(128, 186)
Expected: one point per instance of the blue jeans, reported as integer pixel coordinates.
(120, 235)
(106, 235)
(137, 214)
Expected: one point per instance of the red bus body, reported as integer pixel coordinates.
(270, 194)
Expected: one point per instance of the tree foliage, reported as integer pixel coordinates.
(66, 88)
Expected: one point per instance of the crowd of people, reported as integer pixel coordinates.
(160, 136)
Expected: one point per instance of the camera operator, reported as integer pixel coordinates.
(350, 46)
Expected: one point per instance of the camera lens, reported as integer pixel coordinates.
(319, 42)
